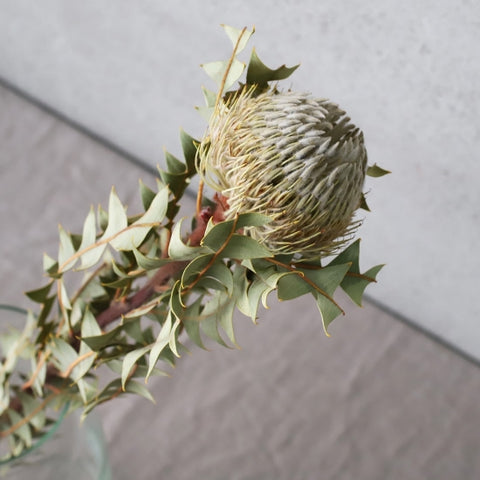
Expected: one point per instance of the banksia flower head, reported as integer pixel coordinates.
(290, 156)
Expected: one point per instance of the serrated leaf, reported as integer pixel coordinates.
(134, 387)
(63, 297)
(328, 278)
(242, 247)
(177, 182)
(252, 220)
(174, 165)
(129, 361)
(376, 171)
(240, 285)
(217, 70)
(254, 294)
(292, 286)
(134, 330)
(209, 326)
(117, 221)
(45, 311)
(210, 98)
(89, 235)
(350, 255)
(175, 303)
(91, 256)
(145, 308)
(134, 235)
(328, 310)
(141, 370)
(118, 270)
(238, 37)
(205, 112)
(226, 319)
(90, 325)
(323, 281)
(85, 358)
(83, 365)
(65, 250)
(148, 263)
(218, 234)
(272, 283)
(161, 342)
(63, 353)
(94, 292)
(146, 194)
(177, 249)
(102, 216)
(218, 277)
(178, 311)
(258, 73)
(191, 322)
(189, 148)
(117, 217)
(194, 268)
(119, 283)
(78, 309)
(110, 391)
(49, 264)
(172, 342)
(175, 176)
(40, 294)
(355, 285)
(364, 204)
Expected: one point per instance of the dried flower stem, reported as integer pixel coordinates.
(163, 275)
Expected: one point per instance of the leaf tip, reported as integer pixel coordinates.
(326, 331)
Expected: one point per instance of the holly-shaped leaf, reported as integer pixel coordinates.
(259, 74)
(355, 283)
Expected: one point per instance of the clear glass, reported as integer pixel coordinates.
(70, 450)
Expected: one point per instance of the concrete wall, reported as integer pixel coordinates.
(407, 72)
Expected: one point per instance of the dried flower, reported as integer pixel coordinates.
(295, 158)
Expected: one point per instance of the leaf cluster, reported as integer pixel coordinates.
(63, 343)
(130, 291)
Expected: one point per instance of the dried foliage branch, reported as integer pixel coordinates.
(288, 171)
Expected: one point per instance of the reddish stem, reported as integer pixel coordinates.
(165, 273)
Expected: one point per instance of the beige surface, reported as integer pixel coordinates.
(376, 401)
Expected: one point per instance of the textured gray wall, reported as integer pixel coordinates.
(407, 72)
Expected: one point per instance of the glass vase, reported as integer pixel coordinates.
(71, 449)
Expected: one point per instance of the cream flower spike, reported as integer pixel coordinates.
(290, 156)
